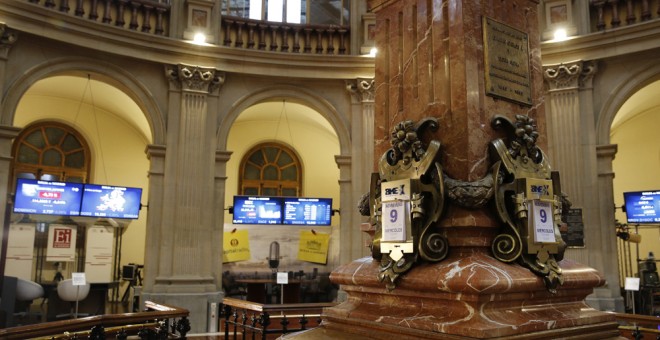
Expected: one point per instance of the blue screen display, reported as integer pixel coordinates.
(642, 206)
(307, 211)
(110, 201)
(47, 197)
(257, 210)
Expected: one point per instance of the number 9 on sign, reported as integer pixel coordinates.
(394, 227)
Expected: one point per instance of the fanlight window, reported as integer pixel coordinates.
(270, 169)
(52, 152)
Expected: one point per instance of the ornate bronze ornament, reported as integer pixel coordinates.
(528, 201)
(406, 198)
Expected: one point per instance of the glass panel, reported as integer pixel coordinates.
(26, 175)
(275, 10)
(27, 155)
(75, 179)
(255, 9)
(285, 159)
(70, 143)
(257, 158)
(251, 191)
(269, 192)
(271, 173)
(75, 160)
(36, 139)
(289, 173)
(49, 177)
(303, 11)
(52, 157)
(271, 153)
(293, 14)
(54, 135)
(251, 172)
(346, 13)
(325, 12)
(289, 192)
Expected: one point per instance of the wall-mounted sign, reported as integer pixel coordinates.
(506, 59)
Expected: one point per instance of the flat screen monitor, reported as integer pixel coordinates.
(307, 211)
(642, 207)
(110, 201)
(257, 210)
(47, 197)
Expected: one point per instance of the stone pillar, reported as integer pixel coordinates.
(362, 92)
(183, 274)
(156, 156)
(344, 248)
(611, 300)
(7, 135)
(460, 71)
(221, 159)
(572, 148)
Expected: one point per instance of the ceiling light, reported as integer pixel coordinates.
(199, 38)
(560, 34)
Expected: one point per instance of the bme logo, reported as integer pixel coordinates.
(62, 238)
(395, 191)
(540, 189)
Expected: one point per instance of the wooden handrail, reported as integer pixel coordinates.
(154, 312)
(270, 308)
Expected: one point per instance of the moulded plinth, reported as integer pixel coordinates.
(469, 295)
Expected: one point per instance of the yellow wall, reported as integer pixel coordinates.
(637, 168)
(118, 156)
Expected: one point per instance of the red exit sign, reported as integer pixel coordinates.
(50, 194)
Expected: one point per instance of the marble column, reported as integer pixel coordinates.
(183, 239)
(453, 66)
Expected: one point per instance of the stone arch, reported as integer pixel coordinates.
(620, 95)
(299, 95)
(105, 72)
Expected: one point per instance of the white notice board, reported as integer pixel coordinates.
(20, 251)
(98, 253)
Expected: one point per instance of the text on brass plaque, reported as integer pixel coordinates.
(506, 54)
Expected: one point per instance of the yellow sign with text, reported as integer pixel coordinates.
(236, 246)
(313, 247)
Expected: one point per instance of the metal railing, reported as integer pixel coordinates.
(249, 320)
(157, 322)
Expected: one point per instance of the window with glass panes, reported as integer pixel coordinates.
(51, 151)
(270, 169)
(316, 12)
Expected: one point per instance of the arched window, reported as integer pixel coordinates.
(270, 169)
(51, 151)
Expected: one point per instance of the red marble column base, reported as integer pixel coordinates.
(469, 295)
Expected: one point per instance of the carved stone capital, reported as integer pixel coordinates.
(562, 76)
(361, 89)
(195, 78)
(569, 76)
(7, 38)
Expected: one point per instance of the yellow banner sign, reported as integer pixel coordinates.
(313, 247)
(236, 246)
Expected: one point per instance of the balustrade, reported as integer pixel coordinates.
(251, 320)
(158, 321)
(284, 37)
(610, 14)
(147, 16)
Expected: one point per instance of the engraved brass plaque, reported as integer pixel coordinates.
(506, 54)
